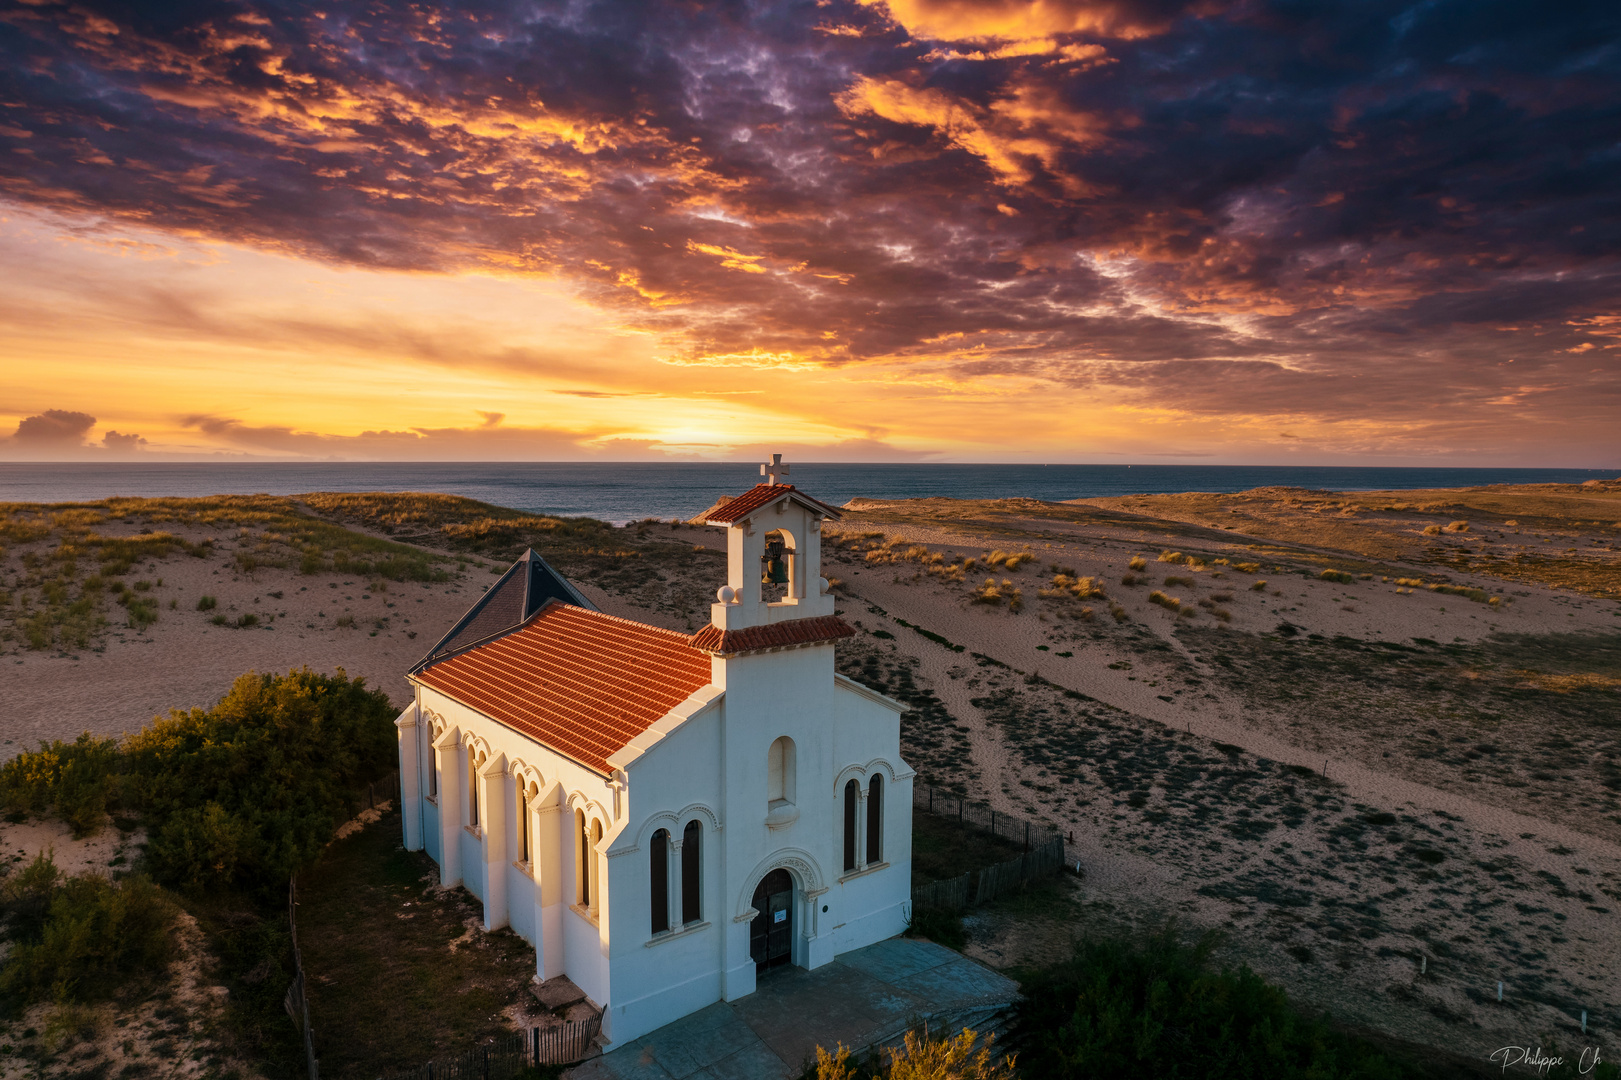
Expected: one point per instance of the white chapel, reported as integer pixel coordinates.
(665, 816)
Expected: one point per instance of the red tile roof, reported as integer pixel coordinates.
(712, 639)
(727, 511)
(580, 682)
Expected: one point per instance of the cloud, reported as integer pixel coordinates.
(122, 444)
(61, 434)
(1343, 214)
(1023, 20)
(55, 427)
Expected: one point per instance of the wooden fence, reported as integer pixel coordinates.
(955, 894)
(508, 1056)
(1043, 852)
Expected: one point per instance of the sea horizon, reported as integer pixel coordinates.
(628, 491)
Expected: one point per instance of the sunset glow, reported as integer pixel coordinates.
(1061, 230)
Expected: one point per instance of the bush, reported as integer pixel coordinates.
(243, 794)
(1169, 602)
(1259, 586)
(92, 937)
(1337, 576)
(1158, 1010)
(1138, 563)
(237, 796)
(207, 603)
(77, 781)
(921, 1058)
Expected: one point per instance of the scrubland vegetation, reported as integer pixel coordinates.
(71, 559)
(230, 800)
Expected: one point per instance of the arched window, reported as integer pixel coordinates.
(591, 854)
(780, 769)
(523, 823)
(472, 789)
(433, 766)
(658, 866)
(582, 861)
(852, 797)
(875, 819)
(691, 851)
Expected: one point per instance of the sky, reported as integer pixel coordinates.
(1217, 231)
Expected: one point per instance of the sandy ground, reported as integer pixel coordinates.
(1393, 888)
(1380, 935)
(183, 660)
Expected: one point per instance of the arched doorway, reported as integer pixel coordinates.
(771, 932)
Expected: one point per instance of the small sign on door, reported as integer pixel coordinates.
(779, 916)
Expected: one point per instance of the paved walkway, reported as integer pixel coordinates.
(863, 998)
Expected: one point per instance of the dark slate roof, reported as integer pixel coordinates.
(511, 602)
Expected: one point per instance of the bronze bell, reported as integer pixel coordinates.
(776, 566)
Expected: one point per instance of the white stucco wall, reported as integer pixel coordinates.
(706, 762)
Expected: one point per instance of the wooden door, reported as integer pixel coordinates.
(771, 933)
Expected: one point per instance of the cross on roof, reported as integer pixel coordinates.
(770, 470)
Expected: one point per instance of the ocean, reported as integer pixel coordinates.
(625, 491)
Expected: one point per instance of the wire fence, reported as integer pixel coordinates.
(298, 1006)
(948, 804)
(374, 794)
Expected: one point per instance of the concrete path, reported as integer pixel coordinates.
(864, 998)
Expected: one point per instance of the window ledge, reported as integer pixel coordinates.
(586, 914)
(474, 831)
(431, 800)
(781, 815)
(864, 871)
(527, 869)
(681, 931)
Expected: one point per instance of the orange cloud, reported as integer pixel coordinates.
(1023, 20)
(1027, 125)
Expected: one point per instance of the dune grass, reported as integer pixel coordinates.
(72, 557)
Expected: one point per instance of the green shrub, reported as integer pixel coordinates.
(247, 619)
(243, 794)
(77, 781)
(207, 603)
(1115, 1009)
(1338, 576)
(92, 937)
(236, 796)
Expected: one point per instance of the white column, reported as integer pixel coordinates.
(861, 827)
(451, 807)
(410, 778)
(492, 816)
(672, 879)
(551, 820)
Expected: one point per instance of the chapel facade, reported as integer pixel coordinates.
(665, 816)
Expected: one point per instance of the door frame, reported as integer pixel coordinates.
(795, 894)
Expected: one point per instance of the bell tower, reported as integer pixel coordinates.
(773, 554)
